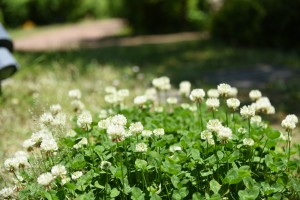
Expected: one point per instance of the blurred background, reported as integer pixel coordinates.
(87, 44)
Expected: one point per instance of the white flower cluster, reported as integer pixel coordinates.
(197, 95)
(247, 111)
(151, 94)
(85, 120)
(136, 128)
(76, 175)
(233, 103)
(55, 117)
(115, 96)
(248, 142)
(76, 103)
(140, 100)
(81, 143)
(224, 90)
(213, 93)
(185, 88)
(7, 193)
(290, 122)
(208, 136)
(104, 165)
(255, 95)
(45, 179)
(162, 83)
(213, 103)
(263, 105)
(19, 161)
(215, 126)
(141, 147)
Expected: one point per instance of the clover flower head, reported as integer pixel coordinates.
(162, 83)
(159, 132)
(256, 119)
(110, 89)
(185, 88)
(54, 109)
(76, 175)
(103, 114)
(49, 145)
(123, 93)
(136, 127)
(58, 170)
(213, 93)
(141, 147)
(104, 123)
(45, 179)
(288, 124)
(147, 133)
(65, 180)
(224, 89)
(28, 144)
(21, 154)
(175, 148)
(211, 141)
(213, 103)
(140, 100)
(46, 118)
(11, 164)
(105, 165)
(172, 100)
(119, 120)
(151, 94)
(233, 92)
(59, 119)
(112, 98)
(81, 143)
(292, 118)
(242, 130)
(247, 111)
(116, 132)
(255, 95)
(197, 95)
(77, 105)
(84, 119)
(233, 103)
(214, 125)
(248, 142)
(206, 134)
(75, 94)
(7, 192)
(225, 134)
(264, 105)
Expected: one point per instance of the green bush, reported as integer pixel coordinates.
(238, 21)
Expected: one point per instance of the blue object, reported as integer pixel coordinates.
(8, 64)
(5, 40)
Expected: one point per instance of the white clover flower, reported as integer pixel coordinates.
(58, 170)
(172, 100)
(225, 134)
(185, 106)
(147, 133)
(75, 94)
(151, 94)
(136, 127)
(213, 93)
(105, 165)
(49, 145)
(270, 110)
(263, 104)
(119, 120)
(59, 119)
(212, 103)
(104, 124)
(159, 132)
(46, 118)
(103, 114)
(255, 95)
(84, 119)
(77, 105)
(247, 111)
(21, 154)
(213, 125)
(141, 147)
(224, 89)
(37, 137)
(248, 142)
(205, 135)
(211, 141)
(242, 130)
(81, 143)
(116, 132)
(54, 109)
(288, 124)
(28, 144)
(233, 103)
(197, 95)
(159, 109)
(123, 93)
(256, 119)
(76, 175)
(22, 161)
(45, 179)
(110, 89)
(292, 118)
(71, 133)
(11, 164)
(111, 98)
(284, 136)
(65, 180)
(140, 100)
(7, 193)
(185, 88)
(162, 83)
(175, 148)
(233, 92)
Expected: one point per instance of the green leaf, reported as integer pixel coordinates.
(273, 134)
(214, 186)
(114, 193)
(119, 174)
(175, 181)
(215, 197)
(155, 197)
(171, 168)
(137, 194)
(197, 196)
(97, 185)
(99, 150)
(51, 195)
(78, 162)
(180, 194)
(141, 164)
(161, 143)
(249, 194)
(206, 173)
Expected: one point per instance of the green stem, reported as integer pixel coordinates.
(123, 187)
(200, 114)
(289, 146)
(249, 128)
(226, 115)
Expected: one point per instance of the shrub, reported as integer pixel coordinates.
(158, 149)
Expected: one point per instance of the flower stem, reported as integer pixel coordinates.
(200, 115)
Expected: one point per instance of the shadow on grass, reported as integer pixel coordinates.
(202, 62)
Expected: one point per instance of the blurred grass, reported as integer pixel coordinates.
(46, 77)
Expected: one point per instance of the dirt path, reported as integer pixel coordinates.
(69, 36)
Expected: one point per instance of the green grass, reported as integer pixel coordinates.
(49, 75)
